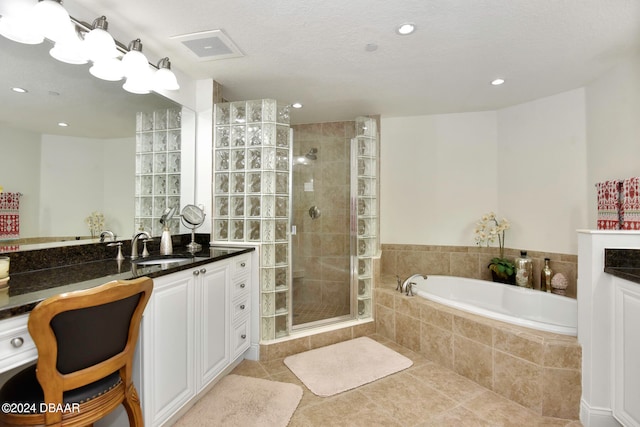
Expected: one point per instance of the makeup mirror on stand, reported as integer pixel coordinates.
(192, 218)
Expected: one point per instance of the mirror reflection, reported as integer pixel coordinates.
(67, 175)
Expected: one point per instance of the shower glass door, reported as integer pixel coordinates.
(321, 246)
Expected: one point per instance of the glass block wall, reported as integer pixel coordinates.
(365, 155)
(252, 173)
(158, 168)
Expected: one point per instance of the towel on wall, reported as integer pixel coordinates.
(608, 205)
(630, 206)
(9, 215)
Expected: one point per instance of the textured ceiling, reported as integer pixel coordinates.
(314, 52)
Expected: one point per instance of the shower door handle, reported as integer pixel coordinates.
(314, 212)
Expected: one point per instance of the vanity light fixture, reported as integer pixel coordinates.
(76, 42)
(135, 67)
(52, 19)
(17, 25)
(164, 78)
(406, 28)
(98, 43)
(69, 48)
(497, 82)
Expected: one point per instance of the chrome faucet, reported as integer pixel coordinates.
(407, 286)
(107, 233)
(134, 242)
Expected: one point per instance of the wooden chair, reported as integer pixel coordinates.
(86, 341)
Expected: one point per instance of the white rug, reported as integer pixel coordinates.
(244, 401)
(340, 367)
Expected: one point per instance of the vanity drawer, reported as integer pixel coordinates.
(241, 265)
(240, 287)
(16, 345)
(240, 307)
(240, 339)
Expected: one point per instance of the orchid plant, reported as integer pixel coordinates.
(487, 231)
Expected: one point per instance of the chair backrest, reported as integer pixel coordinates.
(84, 336)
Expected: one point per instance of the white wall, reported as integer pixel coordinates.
(440, 173)
(438, 176)
(542, 178)
(20, 172)
(613, 128)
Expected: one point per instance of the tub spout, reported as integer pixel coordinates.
(407, 285)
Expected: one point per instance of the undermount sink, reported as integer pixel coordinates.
(161, 261)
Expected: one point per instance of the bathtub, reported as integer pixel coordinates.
(519, 306)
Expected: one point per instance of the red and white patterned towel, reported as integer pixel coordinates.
(608, 205)
(630, 208)
(9, 215)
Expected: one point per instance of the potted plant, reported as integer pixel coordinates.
(487, 230)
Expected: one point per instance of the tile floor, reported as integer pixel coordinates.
(426, 394)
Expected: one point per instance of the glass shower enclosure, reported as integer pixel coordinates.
(309, 202)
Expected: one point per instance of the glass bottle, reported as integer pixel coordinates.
(524, 271)
(545, 276)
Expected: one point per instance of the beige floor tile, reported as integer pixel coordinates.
(250, 368)
(456, 417)
(447, 382)
(408, 399)
(500, 412)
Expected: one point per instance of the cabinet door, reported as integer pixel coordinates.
(168, 349)
(626, 353)
(213, 323)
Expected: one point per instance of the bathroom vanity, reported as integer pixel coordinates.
(196, 327)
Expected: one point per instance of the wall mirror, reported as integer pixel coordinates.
(67, 173)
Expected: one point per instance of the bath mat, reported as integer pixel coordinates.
(340, 367)
(244, 401)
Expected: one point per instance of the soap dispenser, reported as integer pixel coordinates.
(166, 246)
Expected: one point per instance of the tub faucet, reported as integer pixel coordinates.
(134, 242)
(107, 233)
(407, 285)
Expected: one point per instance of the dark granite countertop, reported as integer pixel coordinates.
(27, 288)
(623, 263)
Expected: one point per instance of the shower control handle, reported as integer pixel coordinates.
(314, 212)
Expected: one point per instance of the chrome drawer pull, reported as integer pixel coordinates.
(243, 336)
(242, 285)
(203, 270)
(243, 264)
(242, 307)
(17, 342)
(196, 273)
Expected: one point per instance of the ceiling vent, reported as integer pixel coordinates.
(209, 45)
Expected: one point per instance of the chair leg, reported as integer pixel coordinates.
(131, 403)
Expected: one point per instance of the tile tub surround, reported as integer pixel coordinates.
(539, 370)
(469, 261)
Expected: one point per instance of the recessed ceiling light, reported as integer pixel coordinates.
(497, 82)
(19, 90)
(296, 105)
(63, 124)
(406, 28)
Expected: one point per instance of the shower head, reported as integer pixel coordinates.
(312, 154)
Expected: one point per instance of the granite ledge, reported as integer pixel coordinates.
(623, 263)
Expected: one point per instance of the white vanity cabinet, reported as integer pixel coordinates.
(195, 326)
(626, 353)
